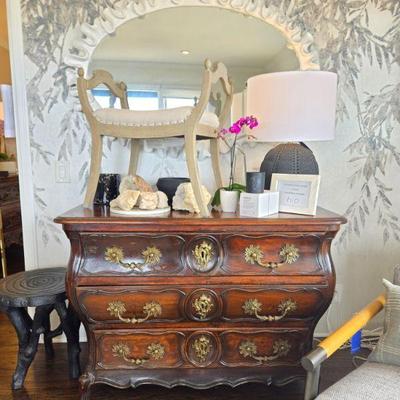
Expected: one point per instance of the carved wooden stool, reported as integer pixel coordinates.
(45, 290)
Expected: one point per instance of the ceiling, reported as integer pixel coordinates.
(207, 32)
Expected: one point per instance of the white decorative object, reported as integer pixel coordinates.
(162, 200)
(148, 200)
(259, 204)
(126, 200)
(298, 193)
(229, 200)
(136, 212)
(184, 198)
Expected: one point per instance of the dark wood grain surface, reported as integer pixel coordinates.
(48, 379)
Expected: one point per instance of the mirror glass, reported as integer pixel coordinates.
(161, 56)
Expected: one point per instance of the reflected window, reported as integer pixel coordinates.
(172, 102)
(142, 100)
(137, 99)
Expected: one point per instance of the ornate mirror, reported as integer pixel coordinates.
(158, 49)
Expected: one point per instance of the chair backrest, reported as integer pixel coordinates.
(396, 278)
(100, 77)
(214, 72)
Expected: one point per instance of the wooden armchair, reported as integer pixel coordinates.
(191, 123)
(358, 379)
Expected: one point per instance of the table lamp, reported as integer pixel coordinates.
(292, 107)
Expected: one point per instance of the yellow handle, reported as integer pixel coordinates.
(346, 331)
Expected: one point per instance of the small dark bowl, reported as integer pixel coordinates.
(169, 186)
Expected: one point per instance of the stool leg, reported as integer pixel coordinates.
(68, 323)
(47, 337)
(28, 339)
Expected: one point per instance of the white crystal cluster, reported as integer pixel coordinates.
(184, 198)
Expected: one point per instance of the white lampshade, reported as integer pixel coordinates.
(293, 106)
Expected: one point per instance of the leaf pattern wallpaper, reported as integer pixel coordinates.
(358, 39)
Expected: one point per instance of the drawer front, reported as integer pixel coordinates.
(148, 350)
(158, 349)
(130, 254)
(258, 348)
(269, 305)
(285, 255)
(140, 306)
(131, 306)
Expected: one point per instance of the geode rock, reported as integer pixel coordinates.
(134, 182)
(148, 200)
(184, 198)
(126, 200)
(162, 200)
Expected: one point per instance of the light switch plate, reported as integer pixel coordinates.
(63, 172)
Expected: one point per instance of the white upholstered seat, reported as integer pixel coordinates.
(371, 381)
(168, 116)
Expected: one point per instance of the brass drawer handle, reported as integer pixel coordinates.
(151, 256)
(288, 254)
(155, 351)
(254, 306)
(203, 305)
(280, 348)
(151, 309)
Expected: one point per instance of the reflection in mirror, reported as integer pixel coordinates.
(161, 55)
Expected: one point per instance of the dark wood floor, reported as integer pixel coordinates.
(48, 380)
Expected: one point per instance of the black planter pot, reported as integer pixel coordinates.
(169, 186)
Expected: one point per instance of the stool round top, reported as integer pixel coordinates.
(33, 288)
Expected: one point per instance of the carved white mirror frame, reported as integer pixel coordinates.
(86, 37)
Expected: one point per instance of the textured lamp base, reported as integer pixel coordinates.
(289, 158)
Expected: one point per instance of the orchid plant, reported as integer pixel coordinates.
(235, 129)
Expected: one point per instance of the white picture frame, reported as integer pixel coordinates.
(298, 193)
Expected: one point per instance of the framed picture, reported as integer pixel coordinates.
(297, 193)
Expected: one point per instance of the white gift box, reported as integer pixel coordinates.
(259, 204)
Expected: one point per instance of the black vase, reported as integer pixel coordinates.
(169, 186)
(107, 189)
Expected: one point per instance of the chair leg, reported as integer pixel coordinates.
(95, 165)
(134, 158)
(191, 160)
(216, 165)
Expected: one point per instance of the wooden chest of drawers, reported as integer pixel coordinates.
(185, 300)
